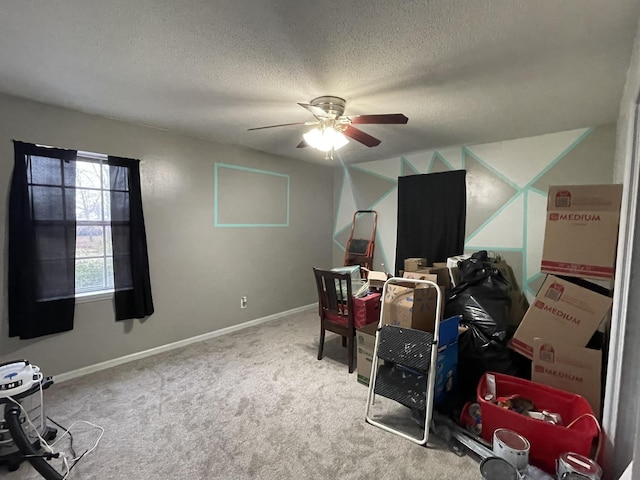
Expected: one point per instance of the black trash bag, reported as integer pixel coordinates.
(483, 300)
(482, 297)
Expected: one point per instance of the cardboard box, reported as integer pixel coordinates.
(561, 310)
(365, 344)
(454, 275)
(376, 279)
(443, 274)
(421, 275)
(452, 262)
(446, 381)
(413, 264)
(567, 367)
(581, 233)
(410, 306)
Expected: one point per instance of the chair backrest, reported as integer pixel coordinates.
(335, 296)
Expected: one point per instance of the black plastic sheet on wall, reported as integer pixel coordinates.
(432, 211)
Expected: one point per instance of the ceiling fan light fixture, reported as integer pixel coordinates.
(325, 139)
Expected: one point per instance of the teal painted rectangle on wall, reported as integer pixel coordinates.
(248, 197)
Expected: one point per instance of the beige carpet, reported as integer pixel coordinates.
(254, 404)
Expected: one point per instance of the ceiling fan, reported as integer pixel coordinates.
(332, 126)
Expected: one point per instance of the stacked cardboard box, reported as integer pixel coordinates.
(410, 306)
(376, 279)
(414, 264)
(437, 273)
(580, 243)
(581, 233)
(366, 342)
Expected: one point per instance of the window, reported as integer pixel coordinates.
(74, 215)
(94, 252)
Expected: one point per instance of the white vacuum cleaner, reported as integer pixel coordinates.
(23, 422)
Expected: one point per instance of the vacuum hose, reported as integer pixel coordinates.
(12, 419)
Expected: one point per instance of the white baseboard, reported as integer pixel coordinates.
(63, 377)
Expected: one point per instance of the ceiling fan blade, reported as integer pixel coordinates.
(281, 125)
(360, 136)
(302, 144)
(385, 118)
(316, 111)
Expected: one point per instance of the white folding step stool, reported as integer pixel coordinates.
(408, 375)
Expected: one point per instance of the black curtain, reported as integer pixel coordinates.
(42, 241)
(432, 211)
(132, 283)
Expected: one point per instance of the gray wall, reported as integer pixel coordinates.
(198, 272)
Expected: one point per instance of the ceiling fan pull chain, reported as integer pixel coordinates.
(329, 155)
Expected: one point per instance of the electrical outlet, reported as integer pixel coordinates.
(243, 302)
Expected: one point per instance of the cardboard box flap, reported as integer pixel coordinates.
(378, 276)
(421, 276)
(581, 282)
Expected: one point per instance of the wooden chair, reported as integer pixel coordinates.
(335, 307)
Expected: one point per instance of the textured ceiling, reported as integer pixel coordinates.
(463, 71)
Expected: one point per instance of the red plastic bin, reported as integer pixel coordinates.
(547, 440)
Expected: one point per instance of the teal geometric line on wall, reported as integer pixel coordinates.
(439, 156)
(346, 227)
(368, 189)
(558, 158)
(384, 177)
(430, 166)
(382, 197)
(407, 168)
(493, 216)
(342, 247)
(538, 191)
(535, 277)
(498, 174)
